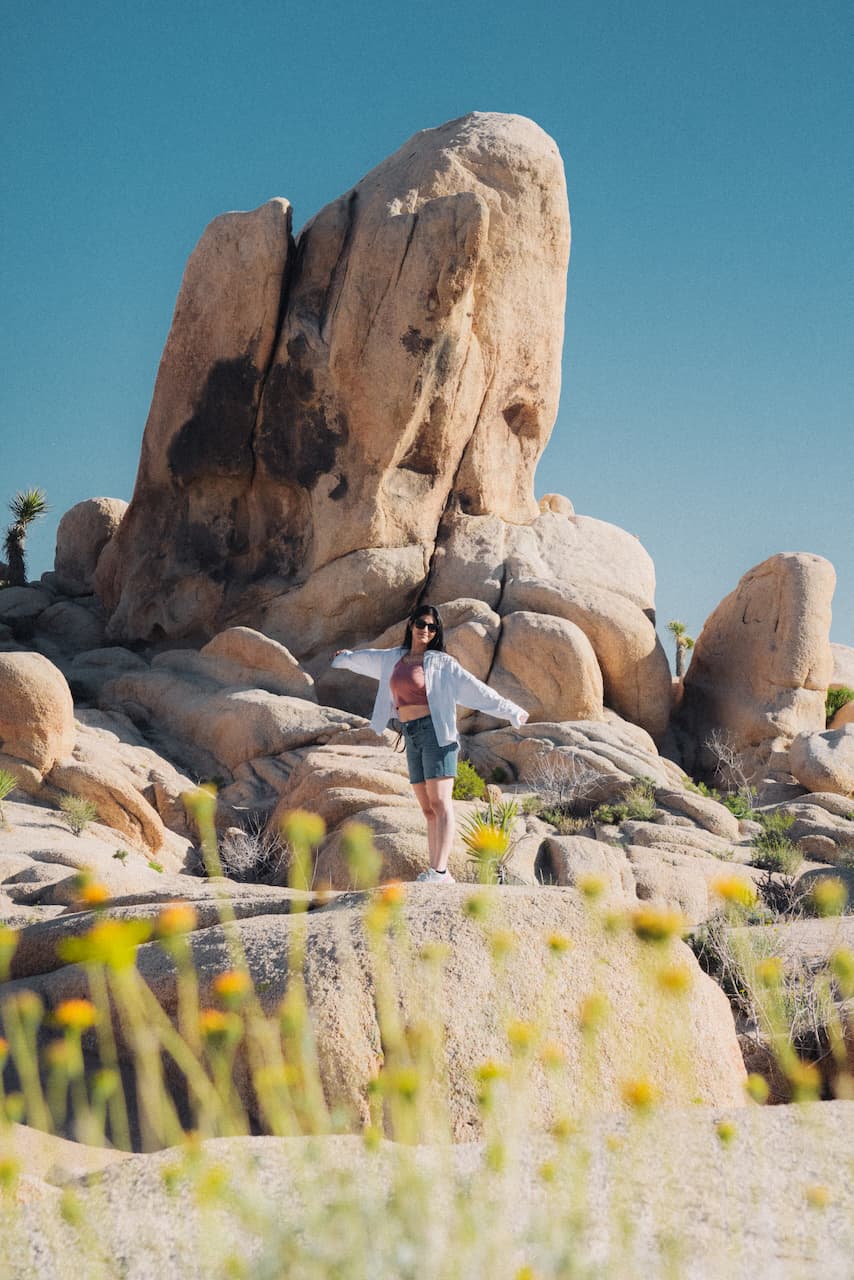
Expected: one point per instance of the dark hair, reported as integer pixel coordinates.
(438, 640)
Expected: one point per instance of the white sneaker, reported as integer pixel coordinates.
(442, 877)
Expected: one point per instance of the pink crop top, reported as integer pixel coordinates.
(407, 685)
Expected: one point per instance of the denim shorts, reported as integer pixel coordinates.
(425, 757)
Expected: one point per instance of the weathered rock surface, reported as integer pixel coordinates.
(230, 724)
(417, 363)
(825, 761)
(705, 1207)
(547, 665)
(761, 664)
(601, 758)
(36, 710)
(83, 532)
(693, 1057)
(193, 492)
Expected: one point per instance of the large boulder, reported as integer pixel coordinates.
(162, 573)
(83, 532)
(403, 357)
(825, 761)
(36, 710)
(761, 665)
(585, 571)
(688, 1056)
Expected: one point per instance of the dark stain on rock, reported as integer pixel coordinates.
(215, 441)
(522, 419)
(421, 456)
(340, 489)
(415, 343)
(301, 434)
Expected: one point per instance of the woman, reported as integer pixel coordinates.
(422, 685)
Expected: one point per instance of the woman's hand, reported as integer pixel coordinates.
(523, 719)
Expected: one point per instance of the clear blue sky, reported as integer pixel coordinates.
(709, 149)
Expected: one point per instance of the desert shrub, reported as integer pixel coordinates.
(774, 851)
(254, 854)
(532, 804)
(498, 775)
(739, 805)
(835, 699)
(566, 824)
(701, 789)
(468, 784)
(77, 812)
(638, 805)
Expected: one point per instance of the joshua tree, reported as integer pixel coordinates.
(684, 642)
(25, 507)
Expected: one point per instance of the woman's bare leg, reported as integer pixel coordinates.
(439, 794)
(420, 789)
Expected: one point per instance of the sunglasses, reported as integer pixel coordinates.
(420, 624)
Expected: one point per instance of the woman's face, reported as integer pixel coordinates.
(423, 631)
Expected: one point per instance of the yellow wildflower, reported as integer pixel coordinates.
(558, 943)
(476, 906)
(829, 896)
(110, 942)
(218, 1027)
(75, 1015)
(9, 1172)
(675, 979)
(592, 886)
(657, 924)
(489, 1071)
(805, 1080)
(4, 1050)
(726, 1131)
(770, 971)
(93, 894)
(640, 1094)
(817, 1196)
(364, 863)
(757, 1087)
(501, 943)
(301, 828)
(392, 894)
(175, 919)
(552, 1055)
(488, 841)
(735, 890)
(842, 968)
(232, 985)
(521, 1035)
(593, 1012)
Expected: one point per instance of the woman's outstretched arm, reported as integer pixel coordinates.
(365, 662)
(477, 696)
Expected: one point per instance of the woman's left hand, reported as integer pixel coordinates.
(523, 719)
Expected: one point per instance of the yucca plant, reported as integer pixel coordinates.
(684, 644)
(486, 835)
(26, 507)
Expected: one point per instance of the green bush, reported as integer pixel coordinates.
(468, 784)
(566, 824)
(777, 822)
(776, 852)
(77, 812)
(498, 775)
(835, 699)
(8, 782)
(739, 805)
(638, 805)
